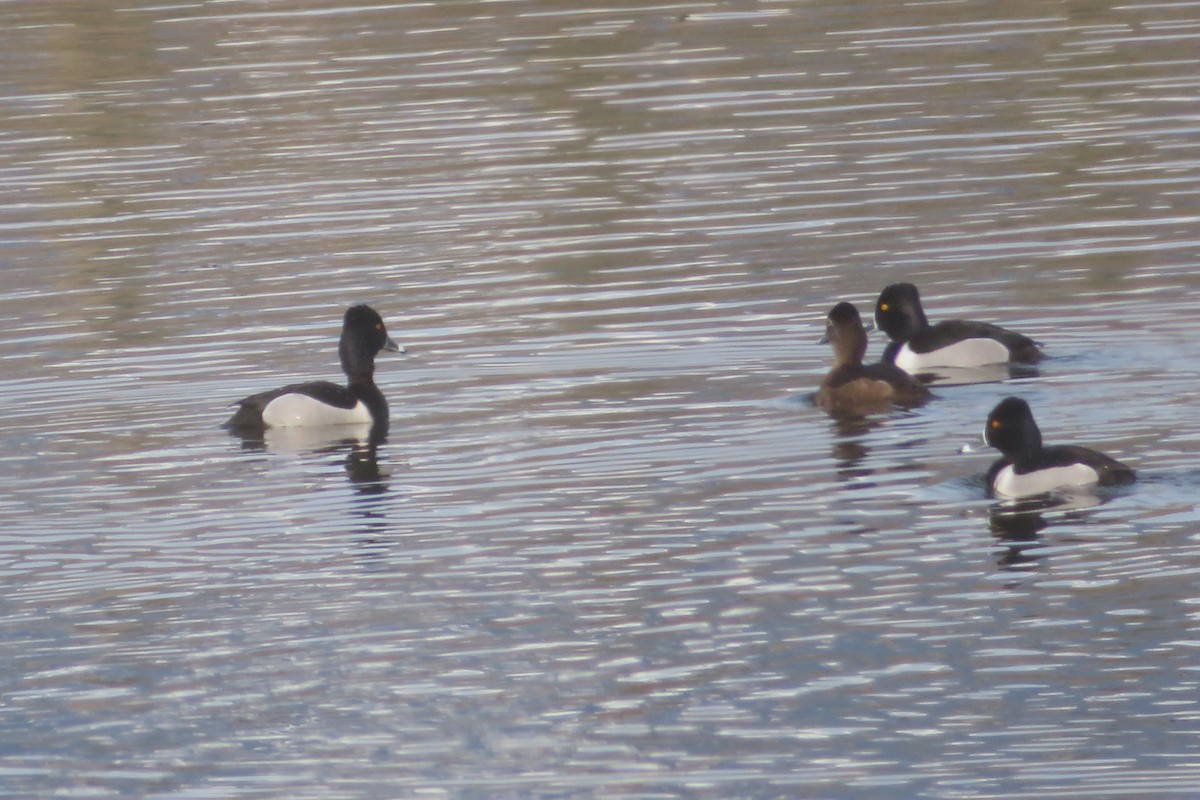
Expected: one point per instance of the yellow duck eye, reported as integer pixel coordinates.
(994, 424)
(378, 326)
(883, 306)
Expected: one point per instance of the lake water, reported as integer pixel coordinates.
(609, 548)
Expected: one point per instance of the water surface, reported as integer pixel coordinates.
(609, 548)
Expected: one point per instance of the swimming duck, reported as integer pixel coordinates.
(322, 402)
(851, 386)
(1027, 468)
(917, 346)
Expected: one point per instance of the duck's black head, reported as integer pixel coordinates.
(1011, 430)
(898, 311)
(363, 336)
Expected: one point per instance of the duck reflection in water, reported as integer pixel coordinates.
(361, 445)
(1018, 524)
(1017, 530)
(849, 448)
(362, 467)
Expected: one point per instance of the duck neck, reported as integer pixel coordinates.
(363, 387)
(359, 366)
(850, 353)
(358, 361)
(911, 322)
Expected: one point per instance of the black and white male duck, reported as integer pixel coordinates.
(322, 403)
(916, 346)
(1027, 468)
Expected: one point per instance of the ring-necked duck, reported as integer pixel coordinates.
(916, 345)
(1028, 469)
(853, 387)
(322, 402)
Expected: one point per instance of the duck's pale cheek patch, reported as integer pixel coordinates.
(289, 410)
(1010, 483)
(967, 353)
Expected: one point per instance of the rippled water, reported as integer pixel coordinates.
(609, 548)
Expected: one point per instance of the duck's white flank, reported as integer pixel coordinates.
(292, 410)
(967, 353)
(1010, 484)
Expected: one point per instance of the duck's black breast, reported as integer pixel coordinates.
(889, 352)
(994, 471)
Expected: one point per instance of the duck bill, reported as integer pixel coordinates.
(391, 346)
